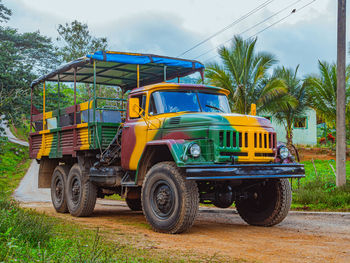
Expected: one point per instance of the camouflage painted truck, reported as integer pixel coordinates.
(172, 147)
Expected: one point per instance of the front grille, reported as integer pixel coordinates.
(265, 140)
(240, 143)
(233, 139)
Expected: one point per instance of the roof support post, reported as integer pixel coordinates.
(94, 100)
(44, 120)
(75, 96)
(164, 73)
(138, 75)
(31, 109)
(202, 75)
(58, 102)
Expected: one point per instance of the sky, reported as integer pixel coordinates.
(169, 28)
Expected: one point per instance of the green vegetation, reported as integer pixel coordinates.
(319, 192)
(298, 100)
(244, 72)
(323, 90)
(27, 236)
(14, 163)
(22, 132)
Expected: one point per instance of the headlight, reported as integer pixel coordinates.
(195, 150)
(284, 152)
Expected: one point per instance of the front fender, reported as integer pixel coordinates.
(175, 148)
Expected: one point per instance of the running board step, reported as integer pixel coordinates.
(129, 180)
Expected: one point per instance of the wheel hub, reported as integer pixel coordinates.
(59, 189)
(162, 199)
(75, 191)
(163, 196)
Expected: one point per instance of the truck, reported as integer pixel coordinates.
(166, 148)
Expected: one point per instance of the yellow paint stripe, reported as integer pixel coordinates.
(82, 125)
(85, 105)
(84, 138)
(45, 148)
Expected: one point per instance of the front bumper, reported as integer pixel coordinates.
(244, 171)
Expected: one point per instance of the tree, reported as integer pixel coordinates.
(5, 13)
(77, 41)
(297, 103)
(22, 57)
(323, 90)
(243, 72)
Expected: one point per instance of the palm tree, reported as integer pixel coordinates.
(297, 104)
(323, 90)
(243, 72)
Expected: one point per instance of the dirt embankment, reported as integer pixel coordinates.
(307, 154)
(225, 237)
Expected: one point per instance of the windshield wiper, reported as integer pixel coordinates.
(215, 108)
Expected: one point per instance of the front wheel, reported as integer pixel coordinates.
(81, 193)
(169, 201)
(267, 204)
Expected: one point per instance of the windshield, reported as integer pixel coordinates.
(192, 101)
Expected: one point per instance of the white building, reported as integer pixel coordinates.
(304, 128)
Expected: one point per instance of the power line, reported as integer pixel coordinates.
(250, 28)
(229, 26)
(285, 17)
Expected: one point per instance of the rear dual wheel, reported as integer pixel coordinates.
(81, 193)
(58, 188)
(71, 191)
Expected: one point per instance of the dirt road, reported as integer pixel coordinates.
(302, 237)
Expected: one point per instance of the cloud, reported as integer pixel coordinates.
(302, 43)
(162, 34)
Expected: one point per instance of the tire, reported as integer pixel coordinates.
(223, 196)
(81, 193)
(58, 188)
(267, 205)
(169, 201)
(220, 204)
(134, 204)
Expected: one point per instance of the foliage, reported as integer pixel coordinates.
(22, 57)
(26, 236)
(13, 165)
(244, 72)
(319, 192)
(297, 103)
(323, 90)
(77, 41)
(5, 13)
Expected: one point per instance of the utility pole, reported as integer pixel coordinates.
(341, 129)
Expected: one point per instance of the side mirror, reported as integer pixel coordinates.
(134, 108)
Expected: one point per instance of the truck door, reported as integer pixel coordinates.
(134, 137)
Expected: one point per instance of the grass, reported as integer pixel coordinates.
(26, 236)
(14, 163)
(29, 236)
(22, 132)
(318, 191)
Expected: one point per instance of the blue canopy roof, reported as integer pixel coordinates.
(120, 69)
(142, 59)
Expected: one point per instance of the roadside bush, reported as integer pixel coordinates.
(25, 226)
(318, 190)
(14, 163)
